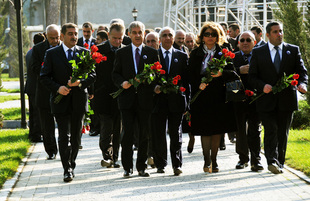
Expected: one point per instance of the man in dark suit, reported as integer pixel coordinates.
(249, 129)
(104, 104)
(257, 31)
(268, 64)
(87, 35)
(43, 93)
(134, 103)
(179, 41)
(169, 106)
(234, 34)
(35, 130)
(69, 112)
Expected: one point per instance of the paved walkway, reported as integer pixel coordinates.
(42, 180)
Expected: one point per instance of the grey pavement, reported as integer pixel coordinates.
(42, 179)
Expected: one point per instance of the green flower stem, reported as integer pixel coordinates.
(257, 97)
(117, 93)
(195, 96)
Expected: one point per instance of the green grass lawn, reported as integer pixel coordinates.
(10, 90)
(13, 113)
(13, 148)
(5, 78)
(9, 98)
(298, 150)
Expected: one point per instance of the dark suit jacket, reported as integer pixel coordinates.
(30, 87)
(262, 71)
(56, 72)
(178, 66)
(103, 101)
(184, 48)
(262, 43)
(124, 70)
(43, 93)
(81, 42)
(239, 61)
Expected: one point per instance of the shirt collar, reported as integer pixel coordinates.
(164, 50)
(271, 46)
(244, 53)
(66, 48)
(134, 48)
(89, 40)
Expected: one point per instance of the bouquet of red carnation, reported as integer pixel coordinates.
(147, 76)
(188, 118)
(84, 65)
(214, 66)
(282, 83)
(170, 85)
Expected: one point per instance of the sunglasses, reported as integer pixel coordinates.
(247, 40)
(208, 34)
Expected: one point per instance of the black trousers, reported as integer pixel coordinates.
(159, 120)
(95, 119)
(128, 118)
(109, 141)
(248, 134)
(276, 129)
(69, 128)
(48, 130)
(34, 120)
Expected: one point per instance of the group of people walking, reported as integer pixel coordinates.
(146, 112)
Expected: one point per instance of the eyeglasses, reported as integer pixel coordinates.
(247, 40)
(208, 34)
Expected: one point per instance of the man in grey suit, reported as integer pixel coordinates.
(257, 31)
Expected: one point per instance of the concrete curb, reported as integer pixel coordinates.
(10, 184)
(11, 124)
(298, 173)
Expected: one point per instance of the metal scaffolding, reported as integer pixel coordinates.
(190, 15)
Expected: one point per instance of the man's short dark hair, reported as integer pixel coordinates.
(224, 24)
(269, 25)
(67, 26)
(234, 26)
(257, 29)
(88, 25)
(103, 34)
(38, 37)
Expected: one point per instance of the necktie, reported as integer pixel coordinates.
(246, 58)
(277, 61)
(137, 58)
(86, 41)
(69, 54)
(167, 60)
(114, 49)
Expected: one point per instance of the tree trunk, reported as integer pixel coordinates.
(13, 51)
(52, 11)
(69, 11)
(63, 12)
(74, 8)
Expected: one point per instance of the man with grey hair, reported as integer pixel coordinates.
(43, 94)
(169, 107)
(179, 41)
(134, 102)
(249, 126)
(190, 41)
(104, 104)
(126, 39)
(152, 40)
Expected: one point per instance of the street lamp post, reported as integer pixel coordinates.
(17, 5)
(134, 13)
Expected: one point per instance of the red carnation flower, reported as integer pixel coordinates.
(232, 55)
(86, 45)
(249, 92)
(175, 82)
(182, 89)
(162, 72)
(94, 48)
(295, 76)
(189, 123)
(42, 63)
(178, 77)
(294, 82)
(104, 58)
(224, 50)
(87, 127)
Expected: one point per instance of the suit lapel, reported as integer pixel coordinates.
(174, 62)
(143, 58)
(268, 58)
(161, 58)
(284, 57)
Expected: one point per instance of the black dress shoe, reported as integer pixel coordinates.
(106, 163)
(160, 170)
(116, 165)
(274, 168)
(215, 169)
(257, 167)
(127, 173)
(68, 176)
(177, 171)
(80, 147)
(142, 173)
(190, 149)
(241, 165)
(223, 147)
(51, 157)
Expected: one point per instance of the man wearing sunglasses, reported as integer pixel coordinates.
(268, 65)
(249, 128)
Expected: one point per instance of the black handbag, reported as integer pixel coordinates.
(235, 91)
